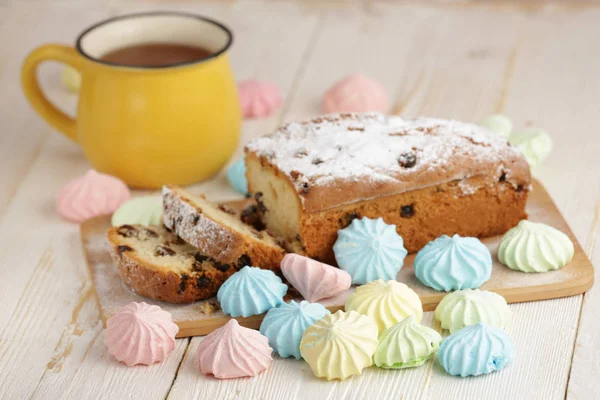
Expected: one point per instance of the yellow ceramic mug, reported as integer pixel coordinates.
(147, 125)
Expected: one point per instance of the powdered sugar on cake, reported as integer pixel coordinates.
(381, 149)
(187, 223)
(217, 232)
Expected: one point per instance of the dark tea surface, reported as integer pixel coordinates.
(155, 54)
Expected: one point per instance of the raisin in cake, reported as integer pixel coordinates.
(427, 176)
(218, 231)
(157, 264)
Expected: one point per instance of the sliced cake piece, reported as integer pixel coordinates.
(157, 264)
(218, 231)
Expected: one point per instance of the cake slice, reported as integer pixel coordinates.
(157, 264)
(218, 231)
(427, 176)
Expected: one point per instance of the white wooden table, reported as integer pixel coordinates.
(538, 63)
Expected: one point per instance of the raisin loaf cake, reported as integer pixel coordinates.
(218, 231)
(427, 176)
(157, 264)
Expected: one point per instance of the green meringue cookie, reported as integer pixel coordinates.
(498, 124)
(405, 345)
(535, 247)
(535, 144)
(469, 307)
(145, 210)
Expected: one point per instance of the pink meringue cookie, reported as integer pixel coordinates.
(258, 99)
(356, 93)
(313, 279)
(233, 351)
(140, 333)
(91, 195)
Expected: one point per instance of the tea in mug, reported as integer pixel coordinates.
(155, 54)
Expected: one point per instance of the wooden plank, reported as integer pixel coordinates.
(81, 367)
(585, 369)
(49, 280)
(579, 183)
(551, 70)
(24, 133)
(461, 73)
(556, 61)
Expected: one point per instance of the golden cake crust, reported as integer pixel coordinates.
(175, 273)
(428, 213)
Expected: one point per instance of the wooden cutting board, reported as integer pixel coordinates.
(193, 319)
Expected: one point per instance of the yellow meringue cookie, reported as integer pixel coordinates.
(386, 302)
(339, 345)
(535, 247)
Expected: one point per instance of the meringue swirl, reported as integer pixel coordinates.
(339, 345)
(357, 93)
(258, 99)
(233, 351)
(145, 210)
(406, 344)
(476, 350)
(313, 279)
(386, 302)
(236, 175)
(369, 249)
(471, 306)
(140, 333)
(535, 247)
(285, 325)
(251, 291)
(453, 263)
(91, 195)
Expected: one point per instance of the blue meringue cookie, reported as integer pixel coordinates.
(251, 291)
(285, 325)
(236, 174)
(369, 249)
(475, 350)
(453, 263)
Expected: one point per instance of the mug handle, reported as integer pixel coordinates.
(33, 92)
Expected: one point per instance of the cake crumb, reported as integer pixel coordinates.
(209, 307)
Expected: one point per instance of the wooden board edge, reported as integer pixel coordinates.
(512, 295)
(533, 293)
